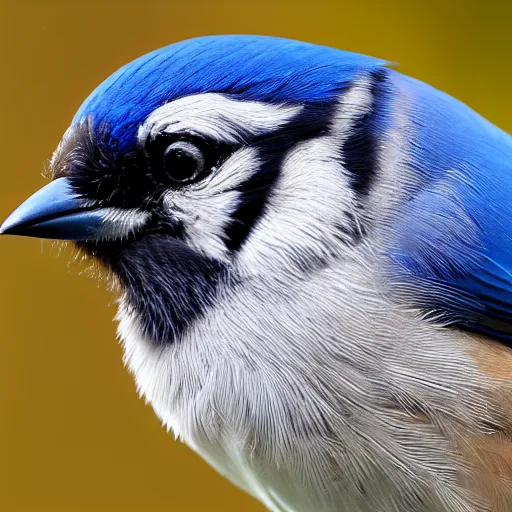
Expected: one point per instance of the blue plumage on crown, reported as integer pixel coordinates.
(255, 68)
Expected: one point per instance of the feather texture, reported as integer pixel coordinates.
(295, 316)
(451, 244)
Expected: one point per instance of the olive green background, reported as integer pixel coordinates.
(73, 434)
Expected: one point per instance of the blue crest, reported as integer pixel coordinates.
(256, 68)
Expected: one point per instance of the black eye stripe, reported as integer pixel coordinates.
(272, 149)
(360, 150)
(98, 170)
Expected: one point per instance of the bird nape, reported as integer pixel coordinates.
(314, 255)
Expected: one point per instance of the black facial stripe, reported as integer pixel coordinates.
(311, 122)
(109, 252)
(360, 149)
(98, 170)
(168, 285)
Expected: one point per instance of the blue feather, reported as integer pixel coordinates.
(249, 67)
(451, 252)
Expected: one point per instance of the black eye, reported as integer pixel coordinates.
(183, 161)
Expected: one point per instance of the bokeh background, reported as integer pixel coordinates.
(74, 436)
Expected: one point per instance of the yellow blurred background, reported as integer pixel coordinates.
(73, 434)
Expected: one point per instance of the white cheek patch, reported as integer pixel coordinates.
(308, 204)
(119, 224)
(218, 117)
(206, 208)
(204, 219)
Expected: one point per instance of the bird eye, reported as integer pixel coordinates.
(183, 161)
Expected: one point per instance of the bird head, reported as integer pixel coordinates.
(211, 160)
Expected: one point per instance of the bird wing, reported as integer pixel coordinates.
(451, 244)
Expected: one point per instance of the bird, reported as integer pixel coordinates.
(313, 254)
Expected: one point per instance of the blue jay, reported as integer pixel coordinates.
(314, 261)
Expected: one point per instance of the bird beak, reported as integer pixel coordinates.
(55, 211)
